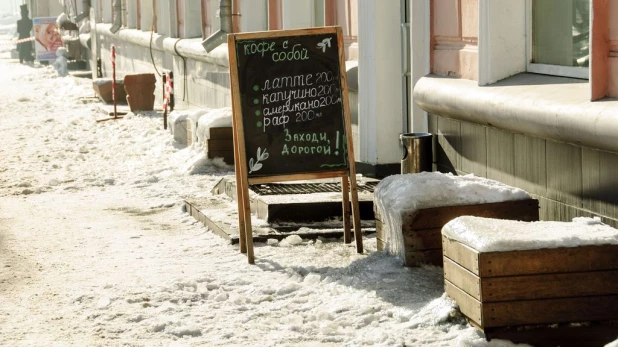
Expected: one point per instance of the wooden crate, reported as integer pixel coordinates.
(422, 228)
(103, 89)
(190, 131)
(545, 286)
(221, 144)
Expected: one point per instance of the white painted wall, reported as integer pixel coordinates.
(131, 7)
(43, 8)
(146, 19)
(381, 111)
(295, 14)
(95, 48)
(254, 15)
(106, 11)
(419, 55)
(502, 39)
(213, 13)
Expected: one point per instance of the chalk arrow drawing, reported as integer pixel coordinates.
(325, 43)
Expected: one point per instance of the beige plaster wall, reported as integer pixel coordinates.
(454, 35)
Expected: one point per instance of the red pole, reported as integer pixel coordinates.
(114, 78)
(171, 90)
(164, 101)
(168, 95)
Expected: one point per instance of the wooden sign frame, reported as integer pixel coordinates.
(347, 175)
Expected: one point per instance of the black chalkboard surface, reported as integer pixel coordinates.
(291, 103)
(291, 117)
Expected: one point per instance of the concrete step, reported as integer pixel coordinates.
(301, 201)
(209, 211)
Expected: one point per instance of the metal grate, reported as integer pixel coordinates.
(307, 188)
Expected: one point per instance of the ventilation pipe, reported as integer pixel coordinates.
(225, 18)
(86, 11)
(117, 16)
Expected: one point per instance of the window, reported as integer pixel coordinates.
(559, 35)
(345, 14)
(289, 14)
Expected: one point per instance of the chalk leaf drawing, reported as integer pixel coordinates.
(256, 165)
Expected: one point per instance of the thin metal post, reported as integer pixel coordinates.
(165, 102)
(114, 79)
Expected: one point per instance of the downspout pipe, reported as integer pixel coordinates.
(85, 13)
(117, 20)
(225, 18)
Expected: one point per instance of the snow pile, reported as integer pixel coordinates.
(177, 123)
(7, 48)
(61, 62)
(438, 311)
(411, 192)
(8, 29)
(612, 344)
(84, 28)
(221, 117)
(193, 119)
(496, 235)
(101, 81)
(61, 19)
(199, 121)
(66, 149)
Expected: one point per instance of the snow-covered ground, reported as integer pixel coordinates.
(96, 250)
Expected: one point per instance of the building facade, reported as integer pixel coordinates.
(521, 91)
(524, 92)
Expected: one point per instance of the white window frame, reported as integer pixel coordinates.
(547, 69)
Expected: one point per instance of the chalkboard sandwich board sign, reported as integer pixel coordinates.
(291, 115)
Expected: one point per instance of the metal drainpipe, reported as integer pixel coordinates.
(86, 11)
(117, 16)
(225, 18)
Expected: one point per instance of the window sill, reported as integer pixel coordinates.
(557, 70)
(543, 106)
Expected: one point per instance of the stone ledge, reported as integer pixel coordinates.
(543, 106)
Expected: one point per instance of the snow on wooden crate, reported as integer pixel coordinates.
(421, 229)
(209, 128)
(214, 130)
(411, 209)
(510, 273)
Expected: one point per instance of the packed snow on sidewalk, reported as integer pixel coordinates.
(96, 249)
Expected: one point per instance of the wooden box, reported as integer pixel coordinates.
(221, 144)
(545, 286)
(191, 131)
(103, 89)
(140, 91)
(422, 228)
